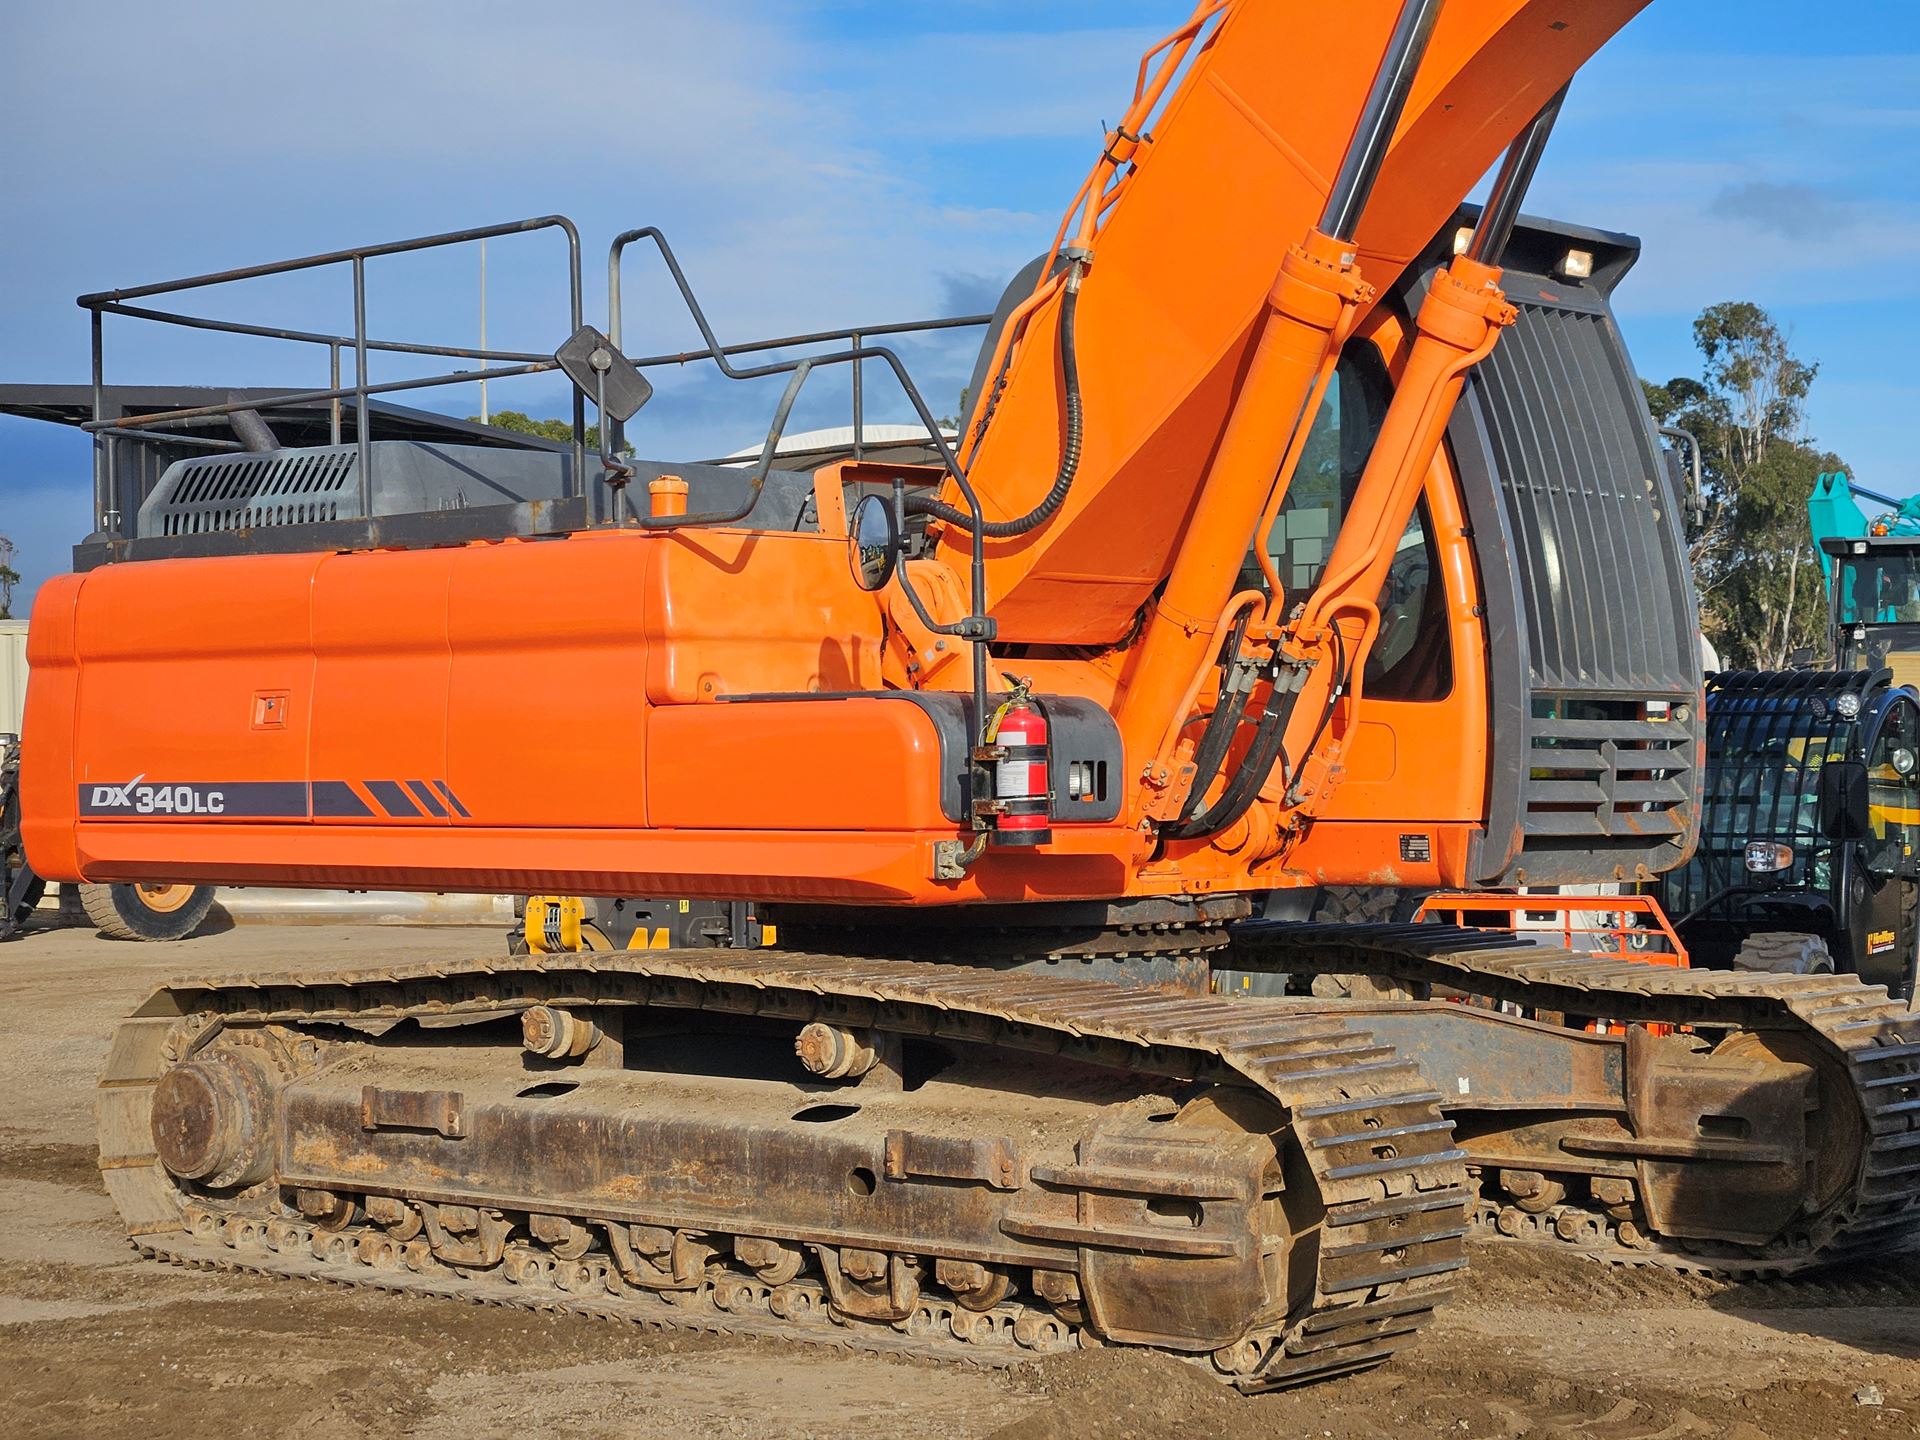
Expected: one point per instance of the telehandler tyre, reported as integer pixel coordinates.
(147, 912)
(1785, 952)
(1367, 905)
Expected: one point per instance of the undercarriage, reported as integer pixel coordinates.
(991, 1163)
(1727, 1121)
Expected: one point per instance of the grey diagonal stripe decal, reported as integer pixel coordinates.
(394, 800)
(335, 799)
(429, 801)
(453, 800)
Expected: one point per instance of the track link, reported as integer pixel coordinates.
(1365, 1124)
(1874, 1037)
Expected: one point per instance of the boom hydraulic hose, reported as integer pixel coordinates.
(1069, 447)
(1266, 749)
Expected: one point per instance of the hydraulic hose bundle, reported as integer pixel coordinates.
(1069, 449)
(1198, 821)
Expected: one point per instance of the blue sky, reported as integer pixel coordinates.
(819, 164)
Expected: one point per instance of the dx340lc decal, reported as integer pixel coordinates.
(274, 800)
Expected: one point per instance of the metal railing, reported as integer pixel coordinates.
(108, 507)
(855, 338)
(976, 627)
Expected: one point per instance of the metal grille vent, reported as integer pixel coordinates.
(1608, 779)
(247, 492)
(1587, 505)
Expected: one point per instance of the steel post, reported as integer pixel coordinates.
(361, 439)
(1379, 118)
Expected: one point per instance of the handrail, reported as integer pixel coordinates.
(154, 425)
(976, 627)
(337, 257)
(311, 337)
(817, 337)
(108, 515)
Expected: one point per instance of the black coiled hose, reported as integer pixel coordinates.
(1069, 449)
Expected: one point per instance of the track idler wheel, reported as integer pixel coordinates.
(1836, 1133)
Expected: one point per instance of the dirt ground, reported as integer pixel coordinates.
(94, 1341)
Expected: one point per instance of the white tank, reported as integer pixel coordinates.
(13, 675)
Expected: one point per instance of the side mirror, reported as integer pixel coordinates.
(874, 545)
(602, 374)
(1687, 457)
(1843, 800)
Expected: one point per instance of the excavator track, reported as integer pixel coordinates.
(1872, 1039)
(1361, 1143)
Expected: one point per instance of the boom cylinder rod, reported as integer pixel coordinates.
(1456, 327)
(1379, 118)
(1462, 314)
(1510, 185)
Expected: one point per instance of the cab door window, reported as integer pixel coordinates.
(1893, 795)
(1412, 658)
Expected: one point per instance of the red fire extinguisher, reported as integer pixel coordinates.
(1022, 775)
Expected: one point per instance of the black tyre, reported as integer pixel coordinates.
(14, 908)
(1366, 905)
(25, 904)
(146, 912)
(1785, 952)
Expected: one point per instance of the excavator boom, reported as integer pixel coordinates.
(1188, 234)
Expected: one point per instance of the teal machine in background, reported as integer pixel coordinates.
(1872, 567)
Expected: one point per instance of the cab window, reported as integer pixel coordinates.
(1878, 589)
(1412, 658)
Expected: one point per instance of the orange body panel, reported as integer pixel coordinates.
(381, 673)
(859, 764)
(496, 714)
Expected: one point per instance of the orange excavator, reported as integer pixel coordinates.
(1282, 547)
